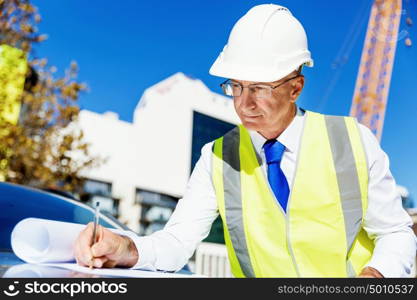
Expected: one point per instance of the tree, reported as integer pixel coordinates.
(43, 148)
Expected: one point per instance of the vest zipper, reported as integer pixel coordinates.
(286, 216)
(287, 226)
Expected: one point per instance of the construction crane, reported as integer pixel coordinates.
(374, 76)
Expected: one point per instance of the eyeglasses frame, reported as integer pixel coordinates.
(263, 85)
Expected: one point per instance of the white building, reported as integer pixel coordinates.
(149, 161)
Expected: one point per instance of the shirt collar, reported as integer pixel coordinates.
(289, 137)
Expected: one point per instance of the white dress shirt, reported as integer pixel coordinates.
(386, 222)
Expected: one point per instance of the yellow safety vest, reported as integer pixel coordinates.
(321, 235)
(13, 68)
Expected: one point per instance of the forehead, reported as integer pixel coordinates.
(244, 82)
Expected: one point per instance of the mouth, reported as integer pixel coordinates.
(252, 116)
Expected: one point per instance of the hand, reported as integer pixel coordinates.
(109, 249)
(369, 272)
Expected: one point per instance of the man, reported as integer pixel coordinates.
(300, 194)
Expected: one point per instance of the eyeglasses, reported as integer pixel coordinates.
(234, 89)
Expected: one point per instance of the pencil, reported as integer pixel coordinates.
(96, 219)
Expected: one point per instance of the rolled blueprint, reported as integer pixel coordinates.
(50, 244)
(40, 241)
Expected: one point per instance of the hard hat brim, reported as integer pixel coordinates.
(228, 70)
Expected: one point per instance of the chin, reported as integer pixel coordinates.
(251, 126)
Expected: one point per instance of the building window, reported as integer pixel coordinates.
(97, 187)
(205, 130)
(156, 209)
(100, 191)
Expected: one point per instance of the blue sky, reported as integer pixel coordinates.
(123, 47)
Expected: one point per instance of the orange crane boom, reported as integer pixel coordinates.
(374, 76)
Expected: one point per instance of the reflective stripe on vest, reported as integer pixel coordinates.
(322, 234)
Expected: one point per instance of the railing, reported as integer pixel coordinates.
(211, 260)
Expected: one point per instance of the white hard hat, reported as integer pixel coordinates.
(266, 44)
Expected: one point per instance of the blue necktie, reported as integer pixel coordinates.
(279, 184)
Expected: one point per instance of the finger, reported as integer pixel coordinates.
(79, 260)
(110, 264)
(103, 248)
(98, 262)
(77, 255)
(107, 243)
(82, 247)
(101, 233)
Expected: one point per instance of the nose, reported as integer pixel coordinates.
(247, 100)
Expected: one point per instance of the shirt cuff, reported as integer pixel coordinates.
(146, 253)
(389, 267)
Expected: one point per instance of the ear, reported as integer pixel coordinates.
(297, 87)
